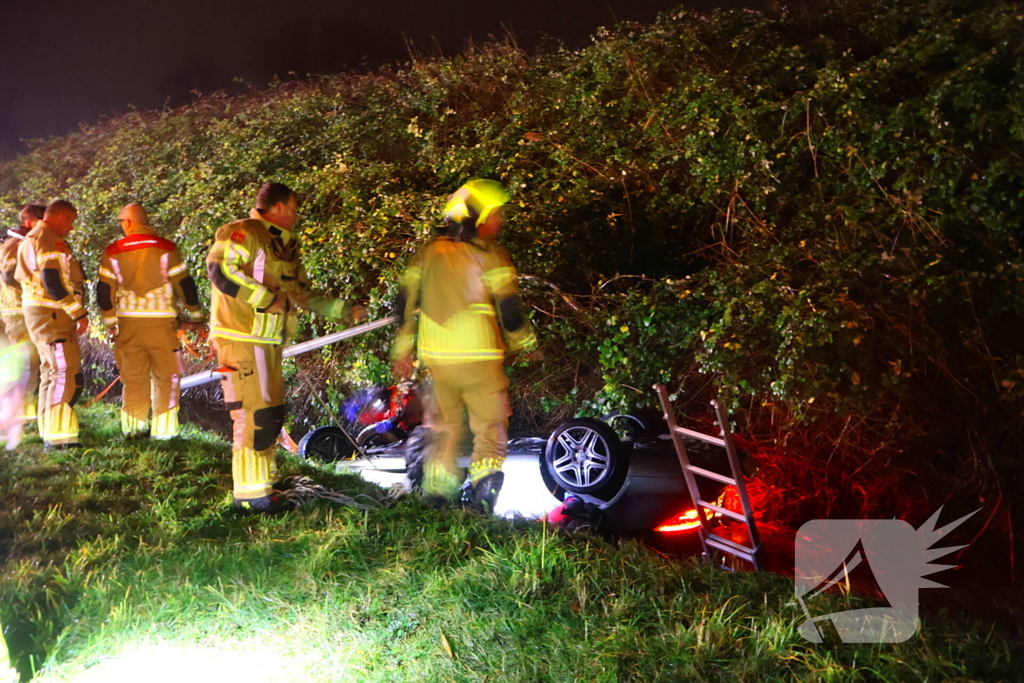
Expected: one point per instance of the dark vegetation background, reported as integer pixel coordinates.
(816, 212)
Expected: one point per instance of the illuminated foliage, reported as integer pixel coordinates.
(819, 212)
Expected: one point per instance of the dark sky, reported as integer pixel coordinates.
(66, 62)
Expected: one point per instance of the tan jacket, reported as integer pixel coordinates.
(50, 276)
(10, 288)
(251, 260)
(467, 294)
(141, 275)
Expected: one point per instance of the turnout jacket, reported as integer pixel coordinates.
(10, 288)
(250, 262)
(140, 276)
(50, 276)
(467, 294)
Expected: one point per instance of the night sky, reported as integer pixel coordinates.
(66, 62)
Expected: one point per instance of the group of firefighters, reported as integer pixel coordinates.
(460, 314)
(459, 306)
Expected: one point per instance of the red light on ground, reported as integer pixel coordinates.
(683, 522)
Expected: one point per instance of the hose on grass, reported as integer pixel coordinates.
(302, 490)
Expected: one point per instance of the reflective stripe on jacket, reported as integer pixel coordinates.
(50, 276)
(10, 288)
(467, 294)
(140, 276)
(251, 260)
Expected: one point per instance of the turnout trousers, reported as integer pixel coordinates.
(254, 396)
(17, 333)
(149, 359)
(479, 388)
(60, 372)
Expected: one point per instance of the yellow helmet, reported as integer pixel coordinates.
(472, 204)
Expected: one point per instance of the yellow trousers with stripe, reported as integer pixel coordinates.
(60, 372)
(479, 389)
(17, 332)
(254, 395)
(149, 359)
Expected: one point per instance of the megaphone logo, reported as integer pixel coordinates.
(888, 553)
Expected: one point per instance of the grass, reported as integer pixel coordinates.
(123, 562)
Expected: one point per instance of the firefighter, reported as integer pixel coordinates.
(51, 280)
(470, 314)
(10, 304)
(257, 281)
(141, 277)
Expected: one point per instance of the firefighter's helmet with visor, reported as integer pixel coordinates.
(471, 205)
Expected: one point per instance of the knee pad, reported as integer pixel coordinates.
(268, 423)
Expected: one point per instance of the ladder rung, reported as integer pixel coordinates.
(728, 546)
(747, 557)
(724, 566)
(706, 438)
(731, 514)
(728, 481)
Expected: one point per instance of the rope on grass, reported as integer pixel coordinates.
(301, 490)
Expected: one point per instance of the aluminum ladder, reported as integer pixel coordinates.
(710, 540)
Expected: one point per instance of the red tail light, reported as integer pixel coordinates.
(682, 522)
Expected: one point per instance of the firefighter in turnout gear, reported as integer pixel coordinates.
(10, 304)
(51, 283)
(470, 314)
(257, 280)
(141, 277)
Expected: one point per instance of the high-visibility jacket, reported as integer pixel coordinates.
(10, 288)
(49, 274)
(250, 262)
(467, 294)
(140, 276)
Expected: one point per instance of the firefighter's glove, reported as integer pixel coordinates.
(402, 367)
(357, 314)
(340, 310)
(291, 326)
(279, 305)
(112, 332)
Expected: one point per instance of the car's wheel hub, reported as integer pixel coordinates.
(586, 457)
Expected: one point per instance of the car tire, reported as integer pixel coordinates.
(371, 438)
(639, 423)
(549, 482)
(585, 456)
(327, 444)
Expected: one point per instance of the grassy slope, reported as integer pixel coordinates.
(125, 557)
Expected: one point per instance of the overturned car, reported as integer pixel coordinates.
(620, 474)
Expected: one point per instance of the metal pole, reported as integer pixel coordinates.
(313, 344)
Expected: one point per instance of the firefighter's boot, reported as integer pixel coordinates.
(440, 487)
(265, 505)
(485, 493)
